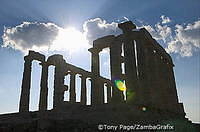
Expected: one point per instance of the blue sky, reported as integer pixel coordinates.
(175, 24)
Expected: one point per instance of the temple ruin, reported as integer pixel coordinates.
(148, 76)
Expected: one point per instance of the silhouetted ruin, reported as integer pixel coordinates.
(150, 95)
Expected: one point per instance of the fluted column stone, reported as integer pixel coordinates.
(26, 82)
(58, 85)
(95, 88)
(72, 87)
(116, 70)
(83, 90)
(44, 87)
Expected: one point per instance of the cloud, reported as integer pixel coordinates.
(165, 19)
(96, 28)
(29, 35)
(49, 36)
(184, 40)
(159, 32)
(179, 39)
(126, 18)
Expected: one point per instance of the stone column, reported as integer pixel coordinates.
(95, 78)
(101, 94)
(142, 90)
(44, 87)
(159, 82)
(146, 73)
(83, 90)
(130, 61)
(154, 83)
(140, 46)
(152, 87)
(58, 85)
(165, 84)
(26, 82)
(172, 94)
(172, 82)
(116, 71)
(95, 61)
(72, 98)
(130, 70)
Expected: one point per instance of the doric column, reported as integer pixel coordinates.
(95, 61)
(58, 85)
(173, 97)
(153, 82)
(151, 76)
(142, 90)
(130, 69)
(140, 48)
(72, 96)
(172, 82)
(83, 90)
(159, 98)
(44, 87)
(101, 94)
(165, 93)
(130, 62)
(95, 78)
(26, 82)
(116, 70)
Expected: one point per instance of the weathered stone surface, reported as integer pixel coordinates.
(44, 87)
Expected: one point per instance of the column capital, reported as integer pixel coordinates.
(44, 63)
(94, 50)
(28, 58)
(108, 84)
(72, 73)
(83, 76)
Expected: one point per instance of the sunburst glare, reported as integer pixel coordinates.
(69, 39)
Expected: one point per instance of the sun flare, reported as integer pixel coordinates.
(69, 39)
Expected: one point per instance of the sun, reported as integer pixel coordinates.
(69, 39)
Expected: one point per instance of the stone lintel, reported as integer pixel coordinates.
(54, 59)
(103, 42)
(82, 76)
(36, 56)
